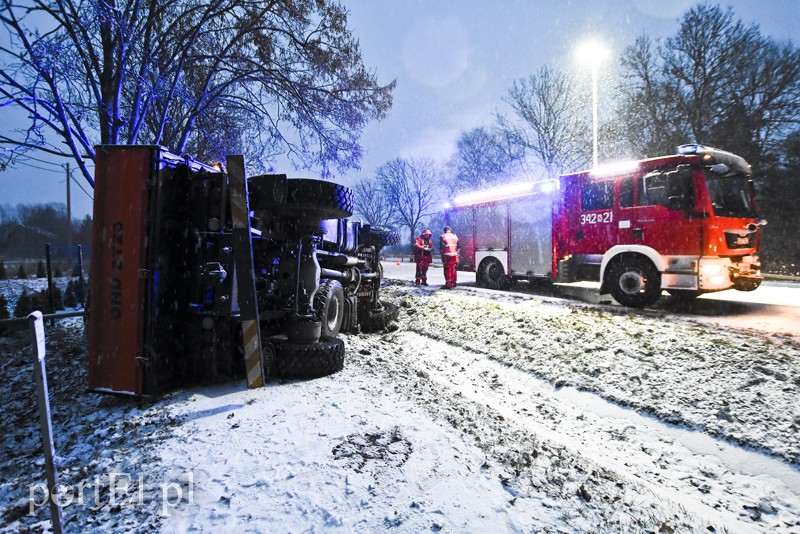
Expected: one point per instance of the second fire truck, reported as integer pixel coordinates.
(686, 223)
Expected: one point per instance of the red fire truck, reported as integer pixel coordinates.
(687, 223)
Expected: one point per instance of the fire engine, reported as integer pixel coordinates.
(686, 223)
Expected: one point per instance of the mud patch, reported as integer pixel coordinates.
(372, 451)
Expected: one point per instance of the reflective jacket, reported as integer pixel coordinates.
(448, 244)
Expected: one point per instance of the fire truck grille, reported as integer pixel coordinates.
(740, 239)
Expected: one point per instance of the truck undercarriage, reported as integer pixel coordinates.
(201, 274)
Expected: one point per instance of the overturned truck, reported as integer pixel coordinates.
(200, 274)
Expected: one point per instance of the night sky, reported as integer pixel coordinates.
(454, 60)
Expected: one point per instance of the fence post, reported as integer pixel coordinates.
(80, 276)
(50, 294)
(36, 328)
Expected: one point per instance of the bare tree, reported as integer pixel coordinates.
(702, 60)
(716, 81)
(412, 187)
(373, 204)
(550, 120)
(483, 157)
(257, 76)
(645, 116)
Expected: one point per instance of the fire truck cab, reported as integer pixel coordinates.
(686, 223)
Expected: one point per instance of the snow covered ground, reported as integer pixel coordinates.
(482, 411)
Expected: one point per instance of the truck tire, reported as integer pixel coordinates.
(266, 191)
(491, 275)
(329, 304)
(376, 320)
(318, 199)
(634, 281)
(379, 236)
(295, 360)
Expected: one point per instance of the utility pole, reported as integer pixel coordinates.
(69, 211)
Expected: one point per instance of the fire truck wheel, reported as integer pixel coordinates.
(329, 304)
(634, 281)
(377, 320)
(313, 360)
(318, 198)
(492, 275)
(379, 236)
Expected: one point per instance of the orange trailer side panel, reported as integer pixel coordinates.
(118, 291)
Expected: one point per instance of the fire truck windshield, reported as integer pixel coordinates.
(730, 195)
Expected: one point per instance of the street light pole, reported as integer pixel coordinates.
(594, 114)
(593, 53)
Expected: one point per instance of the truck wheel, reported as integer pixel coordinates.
(329, 304)
(295, 360)
(492, 275)
(303, 331)
(376, 320)
(379, 236)
(318, 198)
(634, 281)
(266, 191)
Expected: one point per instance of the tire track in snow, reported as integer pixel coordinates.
(648, 460)
(467, 381)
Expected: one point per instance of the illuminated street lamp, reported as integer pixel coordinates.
(593, 53)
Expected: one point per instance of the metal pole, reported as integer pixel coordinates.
(50, 294)
(36, 328)
(80, 276)
(69, 210)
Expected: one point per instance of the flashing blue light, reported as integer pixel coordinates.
(695, 149)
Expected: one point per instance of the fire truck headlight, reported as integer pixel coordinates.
(718, 280)
(712, 269)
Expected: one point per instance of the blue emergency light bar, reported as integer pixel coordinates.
(714, 155)
(693, 149)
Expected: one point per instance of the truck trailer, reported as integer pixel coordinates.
(687, 223)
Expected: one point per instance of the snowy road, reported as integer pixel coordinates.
(773, 308)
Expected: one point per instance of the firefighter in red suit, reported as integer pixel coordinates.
(448, 247)
(423, 256)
